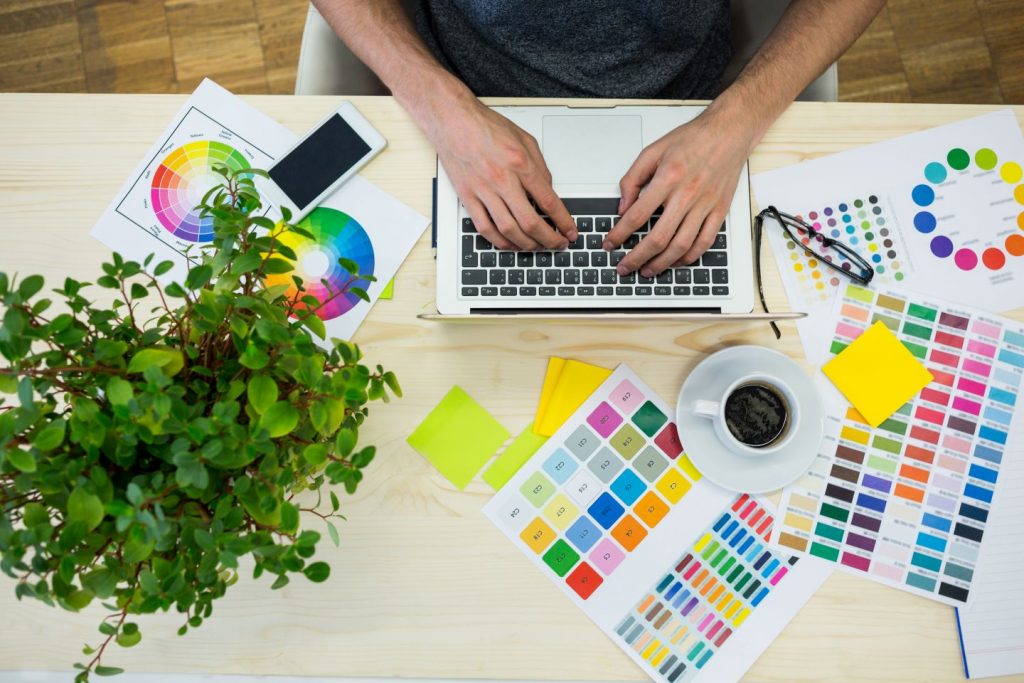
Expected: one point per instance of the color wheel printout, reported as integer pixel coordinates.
(671, 567)
(909, 503)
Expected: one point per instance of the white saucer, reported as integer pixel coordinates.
(749, 474)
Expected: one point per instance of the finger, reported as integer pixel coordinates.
(638, 175)
(541, 191)
(532, 224)
(656, 241)
(635, 216)
(485, 226)
(706, 237)
(680, 244)
(506, 224)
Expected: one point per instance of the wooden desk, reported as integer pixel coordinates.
(423, 585)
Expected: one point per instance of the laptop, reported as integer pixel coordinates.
(588, 150)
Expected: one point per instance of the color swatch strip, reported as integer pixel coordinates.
(907, 503)
(707, 595)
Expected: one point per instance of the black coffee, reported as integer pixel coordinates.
(756, 414)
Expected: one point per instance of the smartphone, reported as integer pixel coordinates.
(322, 161)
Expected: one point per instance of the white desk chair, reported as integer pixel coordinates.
(327, 67)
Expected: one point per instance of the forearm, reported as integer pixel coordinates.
(382, 35)
(811, 35)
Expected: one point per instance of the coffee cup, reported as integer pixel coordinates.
(756, 415)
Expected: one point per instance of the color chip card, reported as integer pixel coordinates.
(458, 437)
(908, 503)
(876, 373)
(671, 567)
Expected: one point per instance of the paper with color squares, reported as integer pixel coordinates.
(877, 374)
(676, 571)
(567, 383)
(941, 211)
(458, 437)
(909, 503)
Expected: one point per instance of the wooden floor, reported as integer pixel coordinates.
(916, 50)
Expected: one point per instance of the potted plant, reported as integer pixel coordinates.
(148, 444)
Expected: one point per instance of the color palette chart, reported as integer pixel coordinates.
(608, 507)
(907, 503)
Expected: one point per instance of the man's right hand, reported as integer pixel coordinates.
(496, 168)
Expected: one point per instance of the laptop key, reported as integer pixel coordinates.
(701, 291)
(605, 291)
(508, 291)
(720, 291)
(489, 291)
(566, 291)
(594, 242)
(488, 259)
(552, 277)
(470, 260)
(506, 259)
(517, 277)
(535, 276)
(682, 276)
(580, 243)
(645, 280)
(467, 244)
(599, 258)
(571, 277)
(681, 291)
(482, 243)
(585, 224)
(722, 229)
(623, 291)
(543, 259)
(563, 259)
(496, 277)
(585, 291)
(474, 277)
(720, 276)
(662, 291)
(628, 279)
(719, 241)
(524, 259)
(617, 256)
(527, 291)
(701, 276)
(642, 291)
(581, 259)
(547, 291)
(603, 223)
(590, 276)
(714, 258)
(467, 225)
(470, 291)
(664, 277)
(609, 276)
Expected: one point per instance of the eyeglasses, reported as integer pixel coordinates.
(830, 252)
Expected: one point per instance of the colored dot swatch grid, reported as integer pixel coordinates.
(907, 503)
(600, 486)
(862, 224)
(965, 250)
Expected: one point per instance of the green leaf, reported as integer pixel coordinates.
(85, 507)
(169, 360)
(392, 381)
(163, 267)
(332, 531)
(280, 419)
(23, 460)
(30, 286)
(205, 539)
(315, 454)
(119, 392)
(277, 266)
(289, 518)
(345, 442)
(335, 503)
(314, 324)
(317, 572)
(199, 276)
(102, 582)
(34, 514)
(107, 670)
(136, 550)
(78, 599)
(350, 266)
(129, 636)
(262, 393)
(8, 384)
(50, 436)
(254, 358)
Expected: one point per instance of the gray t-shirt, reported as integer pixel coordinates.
(581, 48)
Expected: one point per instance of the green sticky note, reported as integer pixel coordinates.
(514, 457)
(458, 437)
(389, 291)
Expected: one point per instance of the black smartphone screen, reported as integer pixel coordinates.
(318, 161)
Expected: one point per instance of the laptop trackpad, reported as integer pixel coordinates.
(584, 150)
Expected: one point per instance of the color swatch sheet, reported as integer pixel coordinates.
(941, 210)
(155, 210)
(908, 503)
(670, 566)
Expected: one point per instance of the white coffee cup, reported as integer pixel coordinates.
(715, 411)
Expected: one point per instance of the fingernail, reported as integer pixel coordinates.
(607, 245)
(647, 272)
(621, 269)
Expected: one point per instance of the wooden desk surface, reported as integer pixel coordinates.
(423, 585)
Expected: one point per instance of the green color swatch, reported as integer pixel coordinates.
(649, 419)
(561, 557)
(958, 158)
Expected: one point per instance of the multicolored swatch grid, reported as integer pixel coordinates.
(861, 223)
(907, 503)
(707, 593)
(671, 567)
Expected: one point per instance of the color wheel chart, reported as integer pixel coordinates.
(906, 504)
(335, 235)
(671, 567)
(957, 239)
(162, 199)
(863, 224)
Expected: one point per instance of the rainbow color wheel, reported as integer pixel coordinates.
(181, 180)
(335, 235)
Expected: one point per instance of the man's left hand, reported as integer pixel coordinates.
(692, 173)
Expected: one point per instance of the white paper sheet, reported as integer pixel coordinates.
(902, 202)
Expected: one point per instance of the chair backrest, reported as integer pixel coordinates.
(327, 67)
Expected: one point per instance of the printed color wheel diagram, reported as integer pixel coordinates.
(926, 223)
(181, 180)
(335, 235)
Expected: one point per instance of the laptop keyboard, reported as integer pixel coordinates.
(585, 269)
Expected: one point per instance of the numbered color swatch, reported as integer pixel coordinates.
(336, 235)
(693, 609)
(907, 503)
(181, 180)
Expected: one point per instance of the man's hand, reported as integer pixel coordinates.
(496, 168)
(692, 172)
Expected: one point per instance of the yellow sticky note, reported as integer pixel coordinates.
(877, 374)
(512, 458)
(574, 384)
(458, 437)
(555, 365)
(389, 291)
